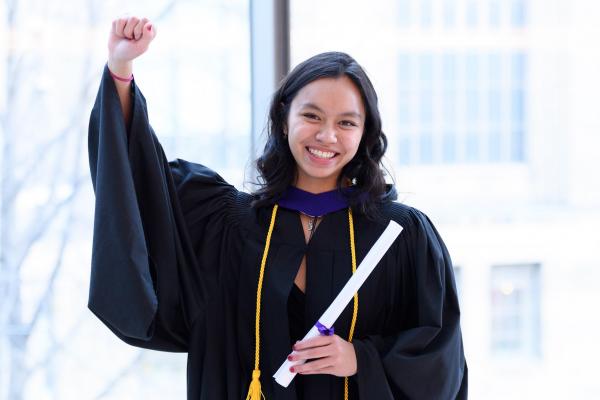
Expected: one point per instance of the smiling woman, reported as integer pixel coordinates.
(183, 261)
(324, 129)
(327, 104)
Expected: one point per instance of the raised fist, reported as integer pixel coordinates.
(129, 38)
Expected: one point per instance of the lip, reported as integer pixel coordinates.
(321, 161)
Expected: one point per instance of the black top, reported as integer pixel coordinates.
(175, 264)
(295, 306)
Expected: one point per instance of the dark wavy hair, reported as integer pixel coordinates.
(277, 166)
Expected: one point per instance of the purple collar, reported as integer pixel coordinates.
(313, 205)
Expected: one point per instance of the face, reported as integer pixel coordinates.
(325, 125)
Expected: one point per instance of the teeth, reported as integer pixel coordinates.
(321, 154)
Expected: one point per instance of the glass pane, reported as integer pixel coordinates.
(518, 13)
(196, 80)
(515, 310)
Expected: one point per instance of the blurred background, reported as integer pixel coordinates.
(491, 110)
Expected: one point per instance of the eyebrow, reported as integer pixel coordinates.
(344, 114)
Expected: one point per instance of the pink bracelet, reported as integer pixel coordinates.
(129, 79)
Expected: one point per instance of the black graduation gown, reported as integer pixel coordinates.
(175, 261)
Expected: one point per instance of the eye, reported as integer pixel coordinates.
(348, 123)
(311, 116)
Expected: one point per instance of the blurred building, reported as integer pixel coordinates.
(490, 107)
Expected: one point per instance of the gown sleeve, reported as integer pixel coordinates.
(146, 284)
(424, 358)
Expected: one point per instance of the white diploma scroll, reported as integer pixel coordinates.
(283, 376)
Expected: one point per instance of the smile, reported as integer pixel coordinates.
(321, 154)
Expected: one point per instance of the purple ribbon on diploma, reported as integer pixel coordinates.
(323, 330)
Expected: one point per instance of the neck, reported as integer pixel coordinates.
(317, 186)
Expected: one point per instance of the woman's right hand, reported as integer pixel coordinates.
(129, 38)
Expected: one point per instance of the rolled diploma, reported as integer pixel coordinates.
(283, 376)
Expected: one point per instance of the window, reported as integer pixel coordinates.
(459, 105)
(494, 13)
(444, 103)
(458, 279)
(426, 13)
(472, 11)
(518, 13)
(515, 310)
(517, 117)
(404, 14)
(449, 13)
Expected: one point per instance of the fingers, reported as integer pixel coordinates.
(133, 28)
(137, 29)
(148, 31)
(129, 26)
(314, 342)
(119, 25)
(319, 366)
(326, 354)
(311, 353)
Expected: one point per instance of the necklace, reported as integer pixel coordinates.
(311, 225)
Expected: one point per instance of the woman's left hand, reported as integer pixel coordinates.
(329, 354)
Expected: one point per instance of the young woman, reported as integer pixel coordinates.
(182, 261)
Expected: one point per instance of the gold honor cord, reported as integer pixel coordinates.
(355, 311)
(255, 392)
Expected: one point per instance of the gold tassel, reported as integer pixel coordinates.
(255, 393)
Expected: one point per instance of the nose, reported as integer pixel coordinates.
(327, 134)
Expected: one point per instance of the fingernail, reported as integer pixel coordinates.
(149, 27)
(290, 358)
(292, 369)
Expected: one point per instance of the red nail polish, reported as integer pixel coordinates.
(292, 369)
(290, 358)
